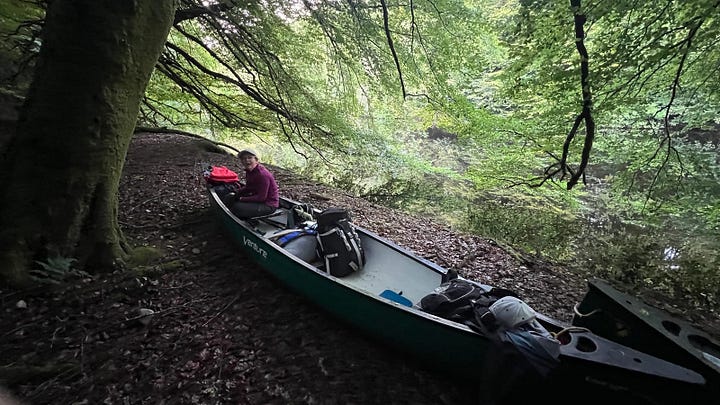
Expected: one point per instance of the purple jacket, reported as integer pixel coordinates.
(260, 187)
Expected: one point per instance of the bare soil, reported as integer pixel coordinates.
(225, 332)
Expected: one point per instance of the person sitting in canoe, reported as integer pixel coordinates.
(259, 196)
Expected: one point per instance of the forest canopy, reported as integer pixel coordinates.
(501, 104)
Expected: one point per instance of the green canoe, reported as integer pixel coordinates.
(381, 299)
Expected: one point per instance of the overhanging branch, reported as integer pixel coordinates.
(563, 167)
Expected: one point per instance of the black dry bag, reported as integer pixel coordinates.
(338, 242)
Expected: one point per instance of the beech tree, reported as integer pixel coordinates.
(62, 169)
(234, 60)
(306, 72)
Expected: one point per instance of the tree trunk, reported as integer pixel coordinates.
(62, 170)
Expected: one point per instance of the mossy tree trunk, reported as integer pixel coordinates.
(61, 171)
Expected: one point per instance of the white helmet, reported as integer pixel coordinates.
(511, 312)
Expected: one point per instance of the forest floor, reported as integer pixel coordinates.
(224, 331)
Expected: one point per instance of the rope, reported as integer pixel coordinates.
(571, 329)
(581, 315)
(302, 213)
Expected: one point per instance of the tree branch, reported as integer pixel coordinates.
(386, 25)
(585, 116)
(194, 11)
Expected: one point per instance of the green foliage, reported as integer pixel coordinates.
(317, 77)
(315, 87)
(56, 270)
(658, 256)
(695, 269)
(20, 25)
(653, 76)
(538, 223)
(321, 95)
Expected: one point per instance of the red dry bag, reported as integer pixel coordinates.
(220, 174)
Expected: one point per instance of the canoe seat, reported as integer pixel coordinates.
(255, 221)
(397, 297)
(277, 212)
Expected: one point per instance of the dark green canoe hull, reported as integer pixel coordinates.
(442, 345)
(462, 350)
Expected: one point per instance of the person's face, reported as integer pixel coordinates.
(248, 161)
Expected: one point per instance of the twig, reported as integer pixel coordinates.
(220, 365)
(163, 311)
(131, 226)
(82, 354)
(45, 384)
(144, 202)
(24, 291)
(52, 340)
(179, 286)
(161, 226)
(472, 256)
(18, 328)
(181, 224)
(221, 311)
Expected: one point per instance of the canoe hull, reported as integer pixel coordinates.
(462, 350)
(587, 361)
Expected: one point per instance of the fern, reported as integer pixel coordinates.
(56, 270)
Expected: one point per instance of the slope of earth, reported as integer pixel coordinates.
(223, 331)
